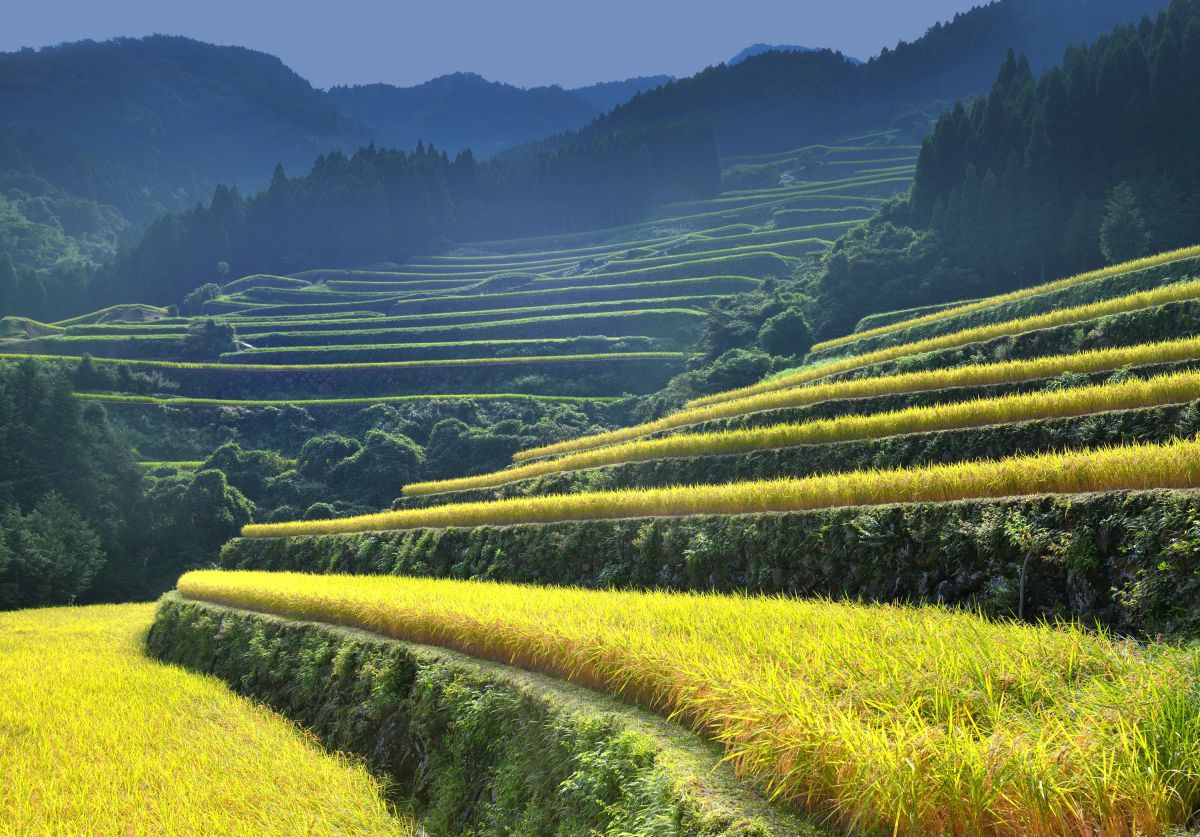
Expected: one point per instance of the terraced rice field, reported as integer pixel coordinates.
(1174, 388)
(913, 720)
(606, 296)
(98, 739)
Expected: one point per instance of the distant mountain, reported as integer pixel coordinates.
(779, 100)
(98, 139)
(177, 114)
(759, 49)
(460, 111)
(464, 110)
(606, 95)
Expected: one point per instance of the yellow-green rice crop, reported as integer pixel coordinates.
(989, 302)
(1137, 466)
(96, 738)
(896, 719)
(1137, 392)
(1063, 316)
(1098, 360)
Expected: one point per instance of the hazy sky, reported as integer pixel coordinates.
(525, 42)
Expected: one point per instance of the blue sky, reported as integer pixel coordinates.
(524, 42)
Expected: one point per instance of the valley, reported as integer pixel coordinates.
(804, 447)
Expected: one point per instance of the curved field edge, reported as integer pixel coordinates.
(96, 738)
(1159, 298)
(1157, 424)
(1121, 559)
(1134, 393)
(966, 375)
(1024, 293)
(475, 747)
(1135, 466)
(914, 720)
(1093, 291)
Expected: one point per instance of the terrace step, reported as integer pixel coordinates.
(474, 746)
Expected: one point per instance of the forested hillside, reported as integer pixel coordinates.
(387, 205)
(463, 110)
(778, 100)
(1093, 162)
(180, 115)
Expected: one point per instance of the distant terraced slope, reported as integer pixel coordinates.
(590, 316)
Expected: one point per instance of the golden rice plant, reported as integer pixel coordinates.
(1097, 360)
(96, 738)
(990, 302)
(889, 719)
(1164, 389)
(1062, 316)
(1137, 466)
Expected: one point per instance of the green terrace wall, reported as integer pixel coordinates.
(331, 293)
(583, 375)
(219, 306)
(375, 321)
(1106, 287)
(599, 293)
(674, 267)
(678, 324)
(1157, 424)
(1127, 560)
(472, 748)
(1145, 325)
(869, 405)
(373, 353)
(888, 317)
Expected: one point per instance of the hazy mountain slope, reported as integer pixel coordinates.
(608, 94)
(759, 49)
(779, 100)
(462, 110)
(179, 114)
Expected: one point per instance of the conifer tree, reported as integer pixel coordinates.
(1123, 232)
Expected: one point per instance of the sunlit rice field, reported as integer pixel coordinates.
(96, 738)
(1098, 360)
(1135, 466)
(1180, 292)
(902, 720)
(992, 301)
(1164, 389)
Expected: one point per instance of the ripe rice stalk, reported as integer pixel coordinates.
(1014, 371)
(978, 305)
(913, 720)
(1180, 292)
(1174, 388)
(97, 738)
(1175, 464)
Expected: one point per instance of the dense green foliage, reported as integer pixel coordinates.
(780, 100)
(1093, 162)
(83, 522)
(48, 556)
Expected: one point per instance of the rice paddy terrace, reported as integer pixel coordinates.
(1029, 460)
(591, 316)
